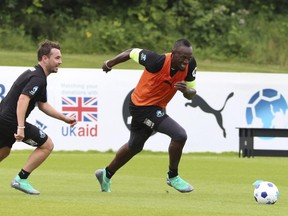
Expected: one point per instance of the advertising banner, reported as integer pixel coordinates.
(99, 101)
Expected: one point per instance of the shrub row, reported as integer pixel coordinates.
(247, 30)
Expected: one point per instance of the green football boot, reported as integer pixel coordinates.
(103, 180)
(179, 184)
(24, 186)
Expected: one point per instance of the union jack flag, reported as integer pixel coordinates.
(81, 108)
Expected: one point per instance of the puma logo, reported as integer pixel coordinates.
(205, 107)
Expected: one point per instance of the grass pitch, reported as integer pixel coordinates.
(28, 59)
(223, 185)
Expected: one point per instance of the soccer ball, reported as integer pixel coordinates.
(265, 192)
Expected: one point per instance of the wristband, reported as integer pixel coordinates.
(110, 68)
(21, 127)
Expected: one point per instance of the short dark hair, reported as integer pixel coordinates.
(182, 42)
(45, 48)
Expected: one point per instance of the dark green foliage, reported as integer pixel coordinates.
(244, 29)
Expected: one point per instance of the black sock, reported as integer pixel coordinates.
(109, 173)
(23, 174)
(172, 173)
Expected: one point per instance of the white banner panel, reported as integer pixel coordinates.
(224, 102)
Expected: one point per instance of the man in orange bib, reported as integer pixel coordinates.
(163, 76)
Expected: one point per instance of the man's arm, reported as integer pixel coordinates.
(51, 111)
(122, 57)
(22, 104)
(190, 89)
(187, 88)
(152, 61)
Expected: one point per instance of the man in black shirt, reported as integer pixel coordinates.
(28, 90)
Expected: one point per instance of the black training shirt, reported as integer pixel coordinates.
(32, 83)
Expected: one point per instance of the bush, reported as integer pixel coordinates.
(252, 31)
(15, 39)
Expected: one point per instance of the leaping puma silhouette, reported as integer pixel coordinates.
(205, 107)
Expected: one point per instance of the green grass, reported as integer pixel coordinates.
(223, 186)
(13, 58)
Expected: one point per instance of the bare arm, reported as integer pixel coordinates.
(22, 104)
(188, 93)
(122, 57)
(51, 111)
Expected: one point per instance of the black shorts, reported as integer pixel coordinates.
(146, 116)
(33, 135)
(146, 119)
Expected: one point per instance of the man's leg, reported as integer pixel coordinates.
(4, 152)
(123, 155)
(36, 158)
(175, 153)
(178, 139)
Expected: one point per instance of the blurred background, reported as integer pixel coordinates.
(251, 31)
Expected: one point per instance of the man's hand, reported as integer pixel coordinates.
(181, 86)
(20, 134)
(106, 67)
(70, 120)
(187, 92)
